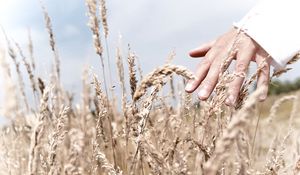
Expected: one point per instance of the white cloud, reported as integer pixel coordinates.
(153, 28)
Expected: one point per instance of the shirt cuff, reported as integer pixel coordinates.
(274, 26)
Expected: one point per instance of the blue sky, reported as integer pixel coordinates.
(153, 28)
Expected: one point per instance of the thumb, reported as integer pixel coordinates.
(201, 50)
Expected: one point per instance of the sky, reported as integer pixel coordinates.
(153, 28)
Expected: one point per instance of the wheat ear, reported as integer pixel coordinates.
(157, 76)
(239, 120)
(132, 72)
(52, 41)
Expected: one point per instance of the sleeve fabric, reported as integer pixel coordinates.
(275, 26)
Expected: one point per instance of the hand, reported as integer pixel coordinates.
(215, 52)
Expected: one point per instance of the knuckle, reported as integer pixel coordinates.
(219, 46)
(247, 44)
(265, 70)
(241, 67)
(211, 55)
(234, 92)
(206, 62)
(264, 82)
(251, 46)
(235, 86)
(207, 83)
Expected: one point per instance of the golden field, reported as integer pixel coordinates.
(150, 126)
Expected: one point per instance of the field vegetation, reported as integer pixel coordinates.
(149, 127)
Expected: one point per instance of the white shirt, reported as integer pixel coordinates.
(275, 26)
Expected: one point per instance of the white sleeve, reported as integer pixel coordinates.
(275, 26)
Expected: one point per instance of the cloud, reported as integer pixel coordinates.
(153, 28)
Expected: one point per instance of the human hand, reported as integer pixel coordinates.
(214, 53)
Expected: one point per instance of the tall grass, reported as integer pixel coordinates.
(146, 131)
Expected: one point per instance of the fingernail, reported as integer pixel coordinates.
(227, 102)
(230, 100)
(264, 94)
(203, 93)
(263, 97)
(189, 86)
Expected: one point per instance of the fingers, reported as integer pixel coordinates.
(202, 50)
(263, 79)
(208, 71)
(243, 60)
(211, 80)
(201, 72)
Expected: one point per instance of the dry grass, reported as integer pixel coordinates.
(146, 131)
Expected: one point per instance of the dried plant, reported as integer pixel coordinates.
(157, 76)
(239, 121)
(164, 131)
(37, 133)
(52, 41)
(57, 138)
(103, 11)
(28, 68)
(31, 51)
(132, 72)
(13, 56)
(94, 26)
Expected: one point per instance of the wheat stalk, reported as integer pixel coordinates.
(239, 121)
(277, 104)
(52, 41)
(11, 105)
(94, 27)
(56, 138)
(132, 72)
(156, 77)
(101, 158)
(103, 11)
(28, 68)
(37, 133)
(152, 133)
(101, 101)
(13, 56)
(31, 51)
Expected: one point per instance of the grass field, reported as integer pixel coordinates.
(149, 127)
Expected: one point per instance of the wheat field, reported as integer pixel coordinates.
(151, 126)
